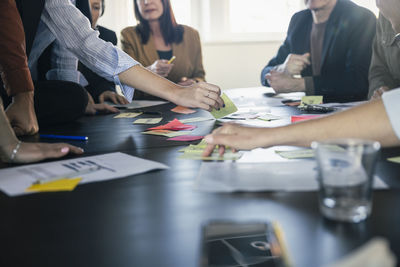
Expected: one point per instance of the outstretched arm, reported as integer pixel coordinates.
(368, 121)
(15, 72)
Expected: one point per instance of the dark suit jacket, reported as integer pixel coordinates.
(98, 85)
(346, 53)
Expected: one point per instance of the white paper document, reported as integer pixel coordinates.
(299, 175)
(15, 181)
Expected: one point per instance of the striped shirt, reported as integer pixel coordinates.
(63, 22)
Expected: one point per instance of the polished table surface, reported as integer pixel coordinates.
(155, 219)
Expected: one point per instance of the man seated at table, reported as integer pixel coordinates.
(327, 52)
(384, 72)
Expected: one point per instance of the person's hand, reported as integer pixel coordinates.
(21, 114)
(186, 82)
(94, 109)
(234, 136)
(295, 64)
(199, 95)
(161, 67)
(284, 83)
(33, 152)
(113, 97)
(379, 92)
(390, 9)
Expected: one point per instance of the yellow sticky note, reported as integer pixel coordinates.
(128, 115)
(228, 109)
(394, 159)
(311, 100)
(67, 184)
(148, 121)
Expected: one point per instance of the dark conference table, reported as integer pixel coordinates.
(155, 219)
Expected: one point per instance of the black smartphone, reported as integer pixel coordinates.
(251, 244)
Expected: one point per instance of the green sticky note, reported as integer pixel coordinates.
(394, 159)
(148, 121)
(311, 100)
(296, 154)
(214, 156)
(269, 117)
(127, 115)
(228, 109)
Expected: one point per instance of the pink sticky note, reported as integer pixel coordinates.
(183, 110)
(174, 125)
(304, 117)
(186, 138)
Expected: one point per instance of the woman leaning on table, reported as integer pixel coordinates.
(157, 38)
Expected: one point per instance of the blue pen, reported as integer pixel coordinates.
(66, 137)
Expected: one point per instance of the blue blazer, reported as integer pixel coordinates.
(346, 53)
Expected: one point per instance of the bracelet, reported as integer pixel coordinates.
(15, 151)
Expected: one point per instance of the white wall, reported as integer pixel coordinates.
(227, 64)
(234, 65)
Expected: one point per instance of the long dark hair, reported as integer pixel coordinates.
(170, 30)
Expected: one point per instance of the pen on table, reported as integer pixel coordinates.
(65, 137)
(171, 59)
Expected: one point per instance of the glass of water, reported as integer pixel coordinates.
(346, 168)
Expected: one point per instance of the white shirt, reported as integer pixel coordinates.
(61, 20)
(391, 100)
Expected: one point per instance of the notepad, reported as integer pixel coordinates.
(148, 121)
(127, 115)
(228, 109)
(67, 184)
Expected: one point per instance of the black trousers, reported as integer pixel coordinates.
(56, 102)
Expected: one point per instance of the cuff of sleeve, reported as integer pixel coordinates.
(17, 81)
(309, 83)
(391, 100)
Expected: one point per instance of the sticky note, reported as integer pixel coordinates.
(228, 109)
(195, 119)
(167, 133)
(183, 110)
(394, 159)
(304, 117)
(148, 121)
(186, 138)
(174, 125)
(269, 117)
(311, 100)
(67, 184)
(215, 156)
(296, 154)
(126, 115)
